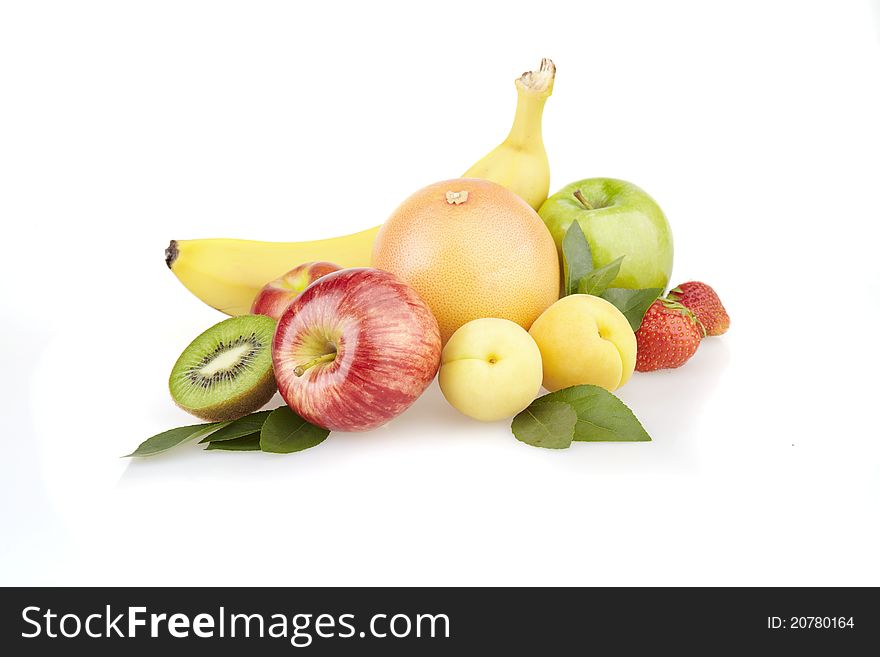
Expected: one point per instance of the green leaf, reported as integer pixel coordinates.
(577, 259)
(598, 280)
(249, 443)
(284, 432)
(545, 424)
(600, 415)
(173, 437)
(243, 426)
(632, 303)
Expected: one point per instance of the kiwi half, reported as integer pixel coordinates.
(226, 372)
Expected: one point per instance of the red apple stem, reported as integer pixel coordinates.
(326, 358)
(579, 195)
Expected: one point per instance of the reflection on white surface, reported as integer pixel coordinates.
(765, 464)
(431, 462)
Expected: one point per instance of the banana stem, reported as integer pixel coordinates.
(527, 120)
(326, 358)
(533, 88)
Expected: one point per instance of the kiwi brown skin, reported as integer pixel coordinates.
(226, 404)
(240, 405)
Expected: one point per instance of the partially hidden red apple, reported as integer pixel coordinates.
(355, 350)
(276, 295)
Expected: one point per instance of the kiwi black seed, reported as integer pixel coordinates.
(226, 372)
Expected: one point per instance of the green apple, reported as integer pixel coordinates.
(584, 340)
(618, 219)
(490, 369)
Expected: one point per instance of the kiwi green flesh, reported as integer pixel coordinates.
(226, 372)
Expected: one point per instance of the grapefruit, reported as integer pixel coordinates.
(471, 249)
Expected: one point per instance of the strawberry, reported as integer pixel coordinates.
(668, 336)
(705, 304)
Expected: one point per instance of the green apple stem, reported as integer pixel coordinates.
(326, 358)
(579, 195)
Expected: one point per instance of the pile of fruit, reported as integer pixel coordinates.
(483, 279)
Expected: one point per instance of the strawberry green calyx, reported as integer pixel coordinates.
(705, 303)
(672, 304)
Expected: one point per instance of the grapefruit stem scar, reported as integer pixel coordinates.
(471, 249)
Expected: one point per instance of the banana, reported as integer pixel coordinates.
(227, 273)
(520, 161)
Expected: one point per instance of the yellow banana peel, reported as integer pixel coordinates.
(227, 274)
(520, 162)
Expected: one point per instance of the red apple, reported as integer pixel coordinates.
(275, 296)
(355, 349)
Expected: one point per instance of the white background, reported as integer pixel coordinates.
(123, 125)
